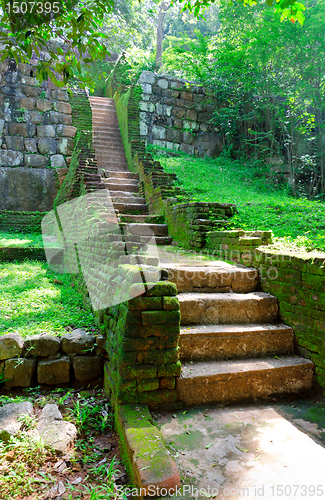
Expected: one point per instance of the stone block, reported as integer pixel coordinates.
(158, 132)
(54, 431)
(187, 96)
(2, 124)
(10, 418)
(61, 95)
(44, 105)
(33, 117)
(161, 330)
(170, 304)
(188, 138)
(46, 131)
(62, 107)
(22, 129)
(162, 83)
(145, 303)
(58, 161)
(11, 345)
(27, 103)
(29, 80)
(57, 118)
(160, 317)
(139, 372)
(19, 372)
(147, 88)
(42, 345)
(167, 383)
(66, 130)
(66, 145)
(174, 135)
(143, 128)
(78, 341)
(179, 112)
(87, 368)
(187, 148)
(140, 344)
(191, 114)
(147, 77)
(148, 384)
(31, 91)
(47, 145)
(162, 288)
(35, 161)
(160, 357)
(147, 106)
(14, 143)
(54, 372)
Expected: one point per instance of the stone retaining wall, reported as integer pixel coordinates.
(50, 360)
(36, 132)
(28, 222)
(176, 115)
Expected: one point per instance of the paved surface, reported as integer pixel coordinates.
(254, 452)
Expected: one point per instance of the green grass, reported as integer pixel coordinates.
(21, 240)
(32, 302)
(262, 205)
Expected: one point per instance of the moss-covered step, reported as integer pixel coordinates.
(227, 308)
(243, 380)
(20, 253)
(210, 278)
(143, 449)
(207, 342)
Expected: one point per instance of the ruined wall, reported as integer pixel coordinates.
(36, 138)
(176, 115)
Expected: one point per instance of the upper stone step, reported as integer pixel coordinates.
(146, 229)
(243, 380)
(122, 181)
(113, 186)
(227, 308)
(121, 175)
(129, 208)
(213, 279)
(152, 219)
(212, 342)
(127, 199)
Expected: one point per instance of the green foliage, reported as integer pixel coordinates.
(32, 302)
(268, 79)
(261, 204)
(21, 240)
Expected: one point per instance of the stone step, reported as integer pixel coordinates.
(243, 380)
(130, 188)
(127, 208)
(124, 194)
(212, 342)
(160, 240)
(213, 279)
(121, 181)
(121, 175)
(145, 229)
(127, 199)
(152, 219)
(227, 308)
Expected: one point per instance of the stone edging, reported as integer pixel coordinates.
(51, 360)
(144, 452)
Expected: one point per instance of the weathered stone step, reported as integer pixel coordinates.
(227, 308)
(145, 229)
(122, 181)
(130, 188)
(243, 380)
(160, 240)
(121, 175)
(126, 199)
(213, 279)
(126, 208)
(152, 219)
(212, 342)
(124, 194)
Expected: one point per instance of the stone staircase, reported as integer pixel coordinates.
(232, 346)
(122, 184)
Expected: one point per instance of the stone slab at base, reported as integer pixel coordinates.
(149, 464)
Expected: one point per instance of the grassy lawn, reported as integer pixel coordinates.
(31, 301)
(298, 223)
(21, 240)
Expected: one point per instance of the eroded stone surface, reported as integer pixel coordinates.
(19, 372)
(11, 345)
(78, 341)
(54, 431)
(52, 372)
(87, 368)
(42, 345)
(10, 418)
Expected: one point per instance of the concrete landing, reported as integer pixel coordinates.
(251, 452)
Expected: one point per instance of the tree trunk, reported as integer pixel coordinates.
(163, 7)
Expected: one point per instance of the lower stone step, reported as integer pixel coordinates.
(243, 381)
(151, 219)
(212, 342)
(227, 308)
(126, 199)
(121, 175)
(130, 188)
(213, 278)
(148, 229)
(126, 208)
(160, 240)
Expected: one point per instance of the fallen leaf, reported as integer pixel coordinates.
(244, 450)
(102, 461)
(61, 488)
(208, 446)
(256, 459)
(58, 282)
(144, 468)
(214, 465)
(77, 480)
